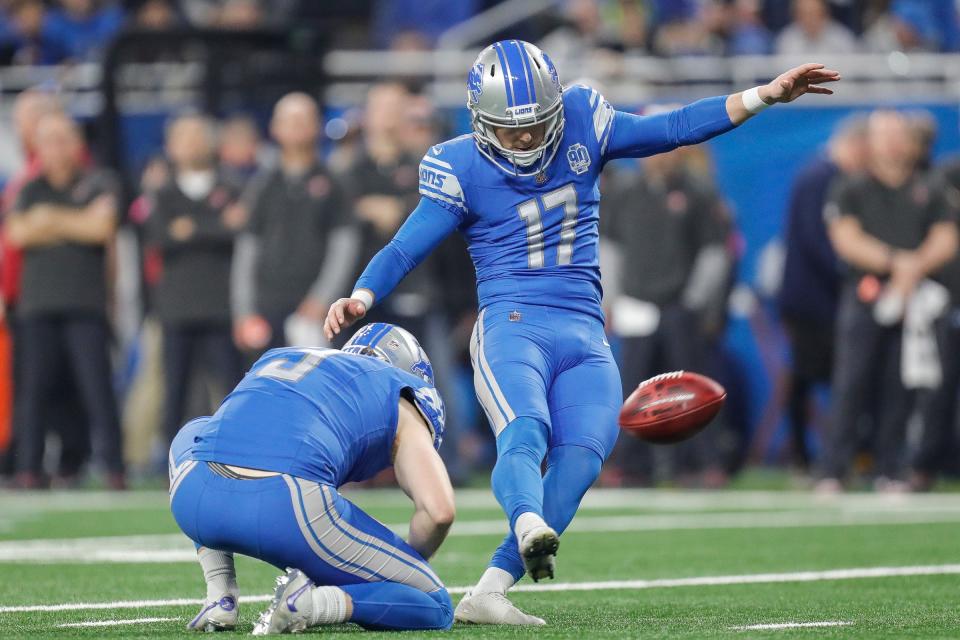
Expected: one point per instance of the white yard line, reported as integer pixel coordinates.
(114, 623)
(35, 502)
(792, 625)
(164, 548)
(667, 583)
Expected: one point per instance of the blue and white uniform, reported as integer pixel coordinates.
(316, 419)
(542, 366)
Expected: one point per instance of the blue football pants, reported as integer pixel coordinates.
(292, 522)
(551, 390)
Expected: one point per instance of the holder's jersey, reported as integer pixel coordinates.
(532, 239)
(317, 414)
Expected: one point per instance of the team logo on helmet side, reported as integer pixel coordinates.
(475, 83)
(579, 158)
(423, 369)
(552, 69)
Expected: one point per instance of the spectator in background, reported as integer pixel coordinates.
(65, 416)
(915, 25)
(416, 24)
(811, 275)
(30, 41)
(155, 15)
(589, 25)
(384, 184)
(746, 34)
(84, 27)
(938, 443)
(241, 15)
(63, 220)
(892, 228)
(814, 32)
(670, 228)
(298, 250)
(239, 149)
(192, 225)
(689, 31)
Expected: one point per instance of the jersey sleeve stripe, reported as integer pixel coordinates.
(593, 98)
(602, 116)
(439, 163)
(429, 192)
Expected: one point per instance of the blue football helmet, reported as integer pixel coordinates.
(397, 346)
(514, 84)
(394, 345)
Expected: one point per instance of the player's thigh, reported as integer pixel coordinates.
(264, 518)
(511, 364)
(343, 537)
(585, 401)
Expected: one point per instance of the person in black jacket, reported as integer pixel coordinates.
(298, 248)
(892, 227)
(192, 225)
(63, 221)
(812, 276)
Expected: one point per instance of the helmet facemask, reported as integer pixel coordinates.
(484, 126)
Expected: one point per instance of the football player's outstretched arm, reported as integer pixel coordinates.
(635, 136)
(423, 477)
(426, 228)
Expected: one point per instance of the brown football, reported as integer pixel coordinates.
(671, 407)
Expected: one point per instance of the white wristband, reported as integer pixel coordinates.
(364, 296)
(753, 102)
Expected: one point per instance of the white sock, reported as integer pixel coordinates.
(527, 521)
(219, 572)
(329, 606)
(494, 580)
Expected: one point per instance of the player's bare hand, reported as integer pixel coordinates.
(792, 84)
(343, 313)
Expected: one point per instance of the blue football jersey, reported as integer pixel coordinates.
(533, 239)
(318, 414)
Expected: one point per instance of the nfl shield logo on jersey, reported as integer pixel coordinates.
(579, 158)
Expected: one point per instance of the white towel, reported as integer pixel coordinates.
(920, 356)
(634, 318)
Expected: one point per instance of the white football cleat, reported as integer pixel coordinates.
(538, 548)
(492, 608)
(291, 609)
(217, 615)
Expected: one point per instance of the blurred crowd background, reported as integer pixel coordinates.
(190, 183)
(59, 31)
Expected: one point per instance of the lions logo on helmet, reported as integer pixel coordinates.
(475, 83)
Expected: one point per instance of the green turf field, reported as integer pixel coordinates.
(650, 564)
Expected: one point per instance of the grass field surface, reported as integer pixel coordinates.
(635, 564)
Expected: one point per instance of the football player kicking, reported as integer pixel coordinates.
(523, 191)
(260, 478)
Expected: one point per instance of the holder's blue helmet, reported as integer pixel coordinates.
(394, 345)
(514, 84)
